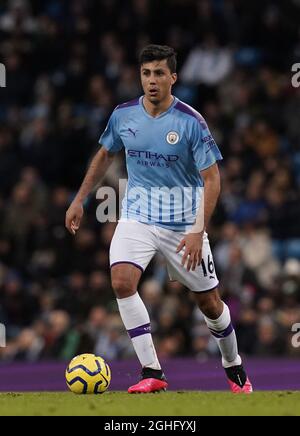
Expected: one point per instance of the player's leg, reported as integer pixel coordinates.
(132, 248)
(125, 280)
(203, 282)
(218, 320)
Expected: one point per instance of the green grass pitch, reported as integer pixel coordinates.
(164, 404)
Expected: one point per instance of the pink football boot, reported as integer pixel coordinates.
(238, 381)
(152, 381)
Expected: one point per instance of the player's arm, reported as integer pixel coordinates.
(95, 174)
(194, 239)
(206, 154)
(212, 189)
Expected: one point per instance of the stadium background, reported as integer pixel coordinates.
(69, 63)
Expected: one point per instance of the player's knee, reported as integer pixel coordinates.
(122, 288)
(211, 307)
(210, 311)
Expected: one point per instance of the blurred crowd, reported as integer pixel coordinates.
(69, 63)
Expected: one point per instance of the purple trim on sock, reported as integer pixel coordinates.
(139, 331)
(224, 333)
(130, 263)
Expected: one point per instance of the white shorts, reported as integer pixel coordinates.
(136, 243)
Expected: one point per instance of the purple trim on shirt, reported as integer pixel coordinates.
(130, 103)
(130, 263)
(182, 107)
(224, 333)
(139, 331)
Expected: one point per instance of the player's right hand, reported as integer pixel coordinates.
(74, 216)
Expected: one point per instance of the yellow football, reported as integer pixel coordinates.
(88, 374)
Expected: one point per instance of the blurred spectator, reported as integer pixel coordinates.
(112, 341)
(61, 340)
(270, 340)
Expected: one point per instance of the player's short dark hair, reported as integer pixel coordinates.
(155, 52)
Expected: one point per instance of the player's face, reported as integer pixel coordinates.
(157, 80)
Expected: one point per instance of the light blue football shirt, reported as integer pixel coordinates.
(164, 156)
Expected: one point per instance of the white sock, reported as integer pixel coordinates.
(224, 334)
(137, 323)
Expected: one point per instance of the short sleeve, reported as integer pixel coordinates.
(205, 150)
(110, 139)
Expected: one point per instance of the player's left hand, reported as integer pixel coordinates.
(193, 250)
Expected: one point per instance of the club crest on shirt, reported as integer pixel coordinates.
(172, 138)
